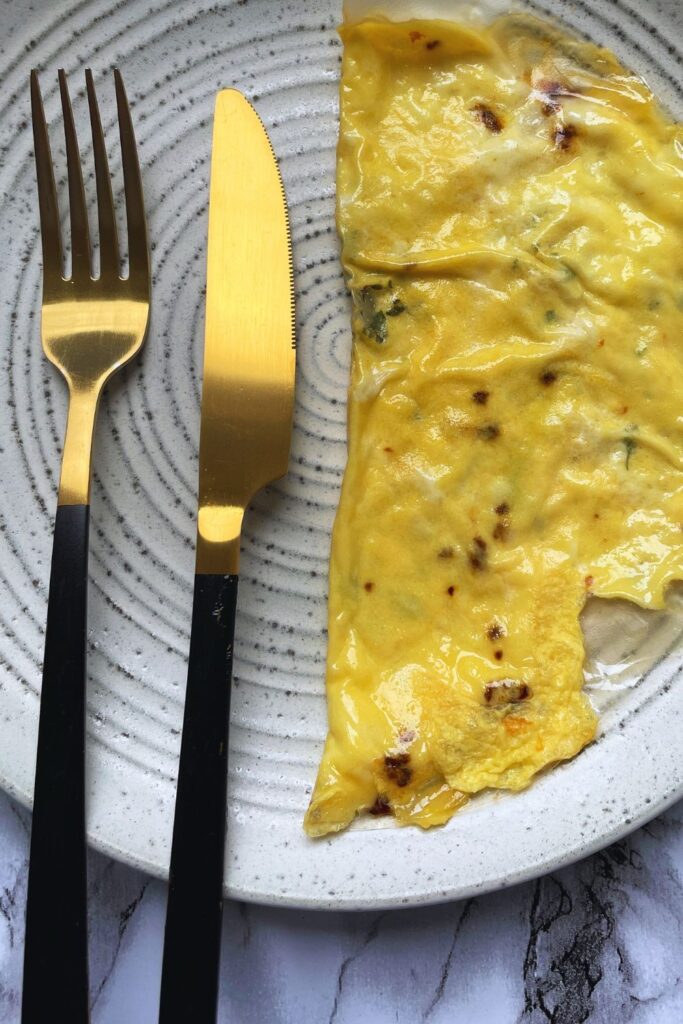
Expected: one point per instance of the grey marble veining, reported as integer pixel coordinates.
(601, 941)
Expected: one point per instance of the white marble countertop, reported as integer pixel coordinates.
(601, 941)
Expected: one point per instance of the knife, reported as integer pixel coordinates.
(246, 423)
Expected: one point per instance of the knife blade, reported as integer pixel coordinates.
(249, 348)
(246, 422)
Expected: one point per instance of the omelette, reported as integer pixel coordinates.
(509, 206)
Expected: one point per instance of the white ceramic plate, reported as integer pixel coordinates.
(285, 56)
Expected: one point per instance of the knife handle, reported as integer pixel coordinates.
(55, 984)
(189, 979)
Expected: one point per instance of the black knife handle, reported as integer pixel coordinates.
(55, 983)
(192, 941)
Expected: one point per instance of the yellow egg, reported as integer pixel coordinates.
(509, 203)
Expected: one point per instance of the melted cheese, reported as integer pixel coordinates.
(509, 202)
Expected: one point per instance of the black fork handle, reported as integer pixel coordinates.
(190, 972)
(56, 946)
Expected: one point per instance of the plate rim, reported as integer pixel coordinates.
(574, 854)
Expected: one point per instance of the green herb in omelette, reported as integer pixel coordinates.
(630, 444)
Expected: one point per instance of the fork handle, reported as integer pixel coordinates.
(192, 941)
(56, 945)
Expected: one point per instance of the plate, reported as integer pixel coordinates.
(285, 57)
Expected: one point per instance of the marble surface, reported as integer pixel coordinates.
(601, 941)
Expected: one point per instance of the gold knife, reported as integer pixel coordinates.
(246, 423)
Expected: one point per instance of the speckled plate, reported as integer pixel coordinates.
(285, 56)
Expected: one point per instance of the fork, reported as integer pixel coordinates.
(90, 327)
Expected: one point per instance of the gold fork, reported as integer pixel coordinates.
(90, 327)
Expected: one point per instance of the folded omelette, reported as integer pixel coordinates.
(509, 204)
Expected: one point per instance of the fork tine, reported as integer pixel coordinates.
(47, 194)
(109, 245)
(138, 253)
(80, 238)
